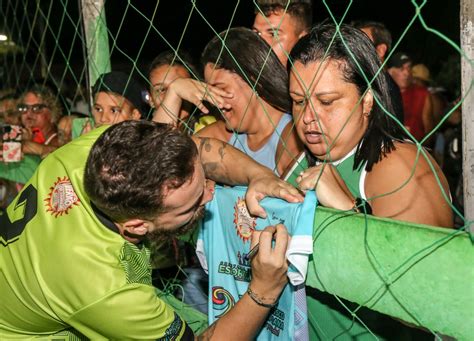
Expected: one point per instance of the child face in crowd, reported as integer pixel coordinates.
(110, 108)
(160, 79)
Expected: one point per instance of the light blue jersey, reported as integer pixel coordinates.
(224, 241)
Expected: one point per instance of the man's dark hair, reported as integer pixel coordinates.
(242, 51)
(300, 10)
(380, 33)
(361, 63)
(181, 58)
(131, 164)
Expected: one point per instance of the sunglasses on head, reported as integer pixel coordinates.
(35, 108)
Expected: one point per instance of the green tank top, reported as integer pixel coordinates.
(353, 179)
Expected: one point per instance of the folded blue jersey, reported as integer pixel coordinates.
(224, 241)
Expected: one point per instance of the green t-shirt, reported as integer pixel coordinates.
(64, 265)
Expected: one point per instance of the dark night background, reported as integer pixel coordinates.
(131, 38)
(171, 17)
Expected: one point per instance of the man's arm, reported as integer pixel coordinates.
(269, 277)
(228, 165)
(427, 114)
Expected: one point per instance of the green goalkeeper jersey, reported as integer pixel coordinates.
(63, 265)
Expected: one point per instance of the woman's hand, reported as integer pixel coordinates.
(26, 134)
(193, 91)
(196, 92)
(329, 186)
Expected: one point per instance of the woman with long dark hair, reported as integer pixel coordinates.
(245, 79)
(359, 156)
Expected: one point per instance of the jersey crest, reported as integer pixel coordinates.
(222, 300)
(244, 223)
(61, 197)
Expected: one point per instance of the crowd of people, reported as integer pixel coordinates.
(137, 171)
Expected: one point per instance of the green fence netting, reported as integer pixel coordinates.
(369, 278)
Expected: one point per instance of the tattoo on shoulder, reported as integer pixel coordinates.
(205, 144)
(214, 171)
(208, 333)
(221, 150)
(210, 167)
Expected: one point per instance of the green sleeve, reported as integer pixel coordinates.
(131, 312)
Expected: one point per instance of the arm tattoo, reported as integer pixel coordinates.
(210, 167)
(213, 167)
(221, 150)
(208, 333)
(213, 170)
(204, 144)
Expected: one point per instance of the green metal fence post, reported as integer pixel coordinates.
(467, 45)
(97, 41)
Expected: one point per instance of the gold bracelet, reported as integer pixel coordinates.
(259, 301)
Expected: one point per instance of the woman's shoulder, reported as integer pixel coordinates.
(407, 184)
(403, 153)
(406, 161)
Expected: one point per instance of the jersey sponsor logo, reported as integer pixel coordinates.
(222, 301)
(61, 197)
(239, 272)
(244, 223)
(275, 323)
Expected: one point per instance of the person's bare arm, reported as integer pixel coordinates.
(192, 91)
(427, 115)
(269, 268)
(30, 147)
(391, 189)
(226, 164)
(215, 130)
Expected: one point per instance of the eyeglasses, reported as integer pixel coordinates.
(35, 108)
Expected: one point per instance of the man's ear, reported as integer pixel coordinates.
(367, 103)
(381, 50)
(302, 33)
(136, 115)
(135, 227)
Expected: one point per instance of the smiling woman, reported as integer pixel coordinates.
(357, 151)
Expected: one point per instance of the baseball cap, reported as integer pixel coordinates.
(398, 59)
(124, 85)
(420, 71)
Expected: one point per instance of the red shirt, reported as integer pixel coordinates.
(38, 136)
(413, 102)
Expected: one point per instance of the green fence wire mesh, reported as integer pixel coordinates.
(68, 44)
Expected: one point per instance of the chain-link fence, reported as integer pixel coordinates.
(369, 277)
